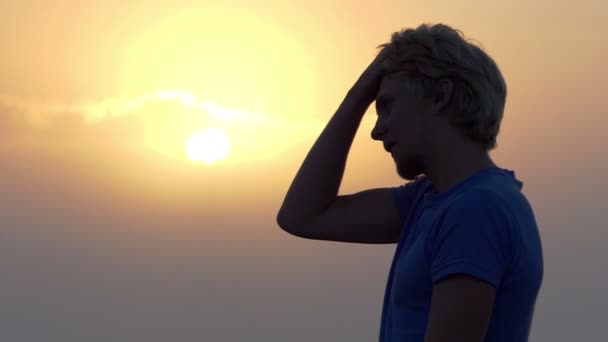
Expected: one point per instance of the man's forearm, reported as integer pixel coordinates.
(317, 182)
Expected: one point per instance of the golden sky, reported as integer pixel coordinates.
(99, 101)
(148, 75)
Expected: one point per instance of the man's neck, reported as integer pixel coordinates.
(448, 170)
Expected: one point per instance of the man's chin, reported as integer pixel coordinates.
(407, 175)
(408, 172)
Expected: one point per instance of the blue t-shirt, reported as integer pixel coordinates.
(482, 226)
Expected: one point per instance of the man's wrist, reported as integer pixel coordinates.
(356, 99)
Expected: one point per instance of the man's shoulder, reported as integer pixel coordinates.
(478, 201)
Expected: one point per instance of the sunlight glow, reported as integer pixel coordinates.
(209, 145)
(213, 66)
(224, 55)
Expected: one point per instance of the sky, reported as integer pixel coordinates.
(113, 228)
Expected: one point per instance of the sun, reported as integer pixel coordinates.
(209, 145)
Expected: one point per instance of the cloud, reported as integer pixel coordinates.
(158, 122)
(39, 113)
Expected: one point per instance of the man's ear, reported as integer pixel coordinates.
(443, 94)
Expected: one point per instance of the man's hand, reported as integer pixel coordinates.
(367, 86)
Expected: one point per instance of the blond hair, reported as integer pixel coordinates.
(431, 52)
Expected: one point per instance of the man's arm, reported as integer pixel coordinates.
(312, 207)
(461, 308)
(317, 182)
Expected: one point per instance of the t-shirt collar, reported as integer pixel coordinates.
(431, 196)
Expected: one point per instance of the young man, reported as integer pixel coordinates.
(468, 264)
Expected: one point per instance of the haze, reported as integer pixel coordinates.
(109, 232)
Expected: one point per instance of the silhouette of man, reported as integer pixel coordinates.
(468, 265)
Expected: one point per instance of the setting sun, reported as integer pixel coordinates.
(209, 145)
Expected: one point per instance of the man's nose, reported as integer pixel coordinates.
(378, 131)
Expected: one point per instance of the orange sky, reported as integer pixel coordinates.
(98, 99)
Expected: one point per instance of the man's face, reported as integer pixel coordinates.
(402, 125)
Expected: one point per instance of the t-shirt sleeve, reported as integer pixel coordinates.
(473, 238)
(404, 197)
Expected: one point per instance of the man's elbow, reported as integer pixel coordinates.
(285, 222)
(290, 224)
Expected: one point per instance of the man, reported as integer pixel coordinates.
(468, 264)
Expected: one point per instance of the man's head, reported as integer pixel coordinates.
(440, 91)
